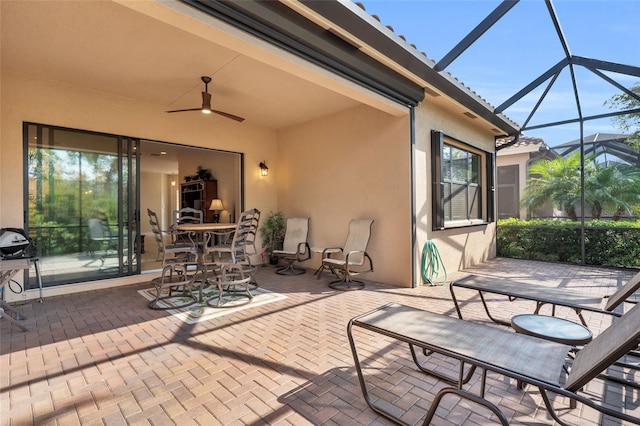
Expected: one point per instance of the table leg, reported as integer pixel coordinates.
(36, 264)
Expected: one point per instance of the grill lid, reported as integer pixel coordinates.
(14, 243)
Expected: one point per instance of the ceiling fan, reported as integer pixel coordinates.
(206, 103)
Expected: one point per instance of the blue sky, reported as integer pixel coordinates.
(522, 46)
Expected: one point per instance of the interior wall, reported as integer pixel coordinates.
(152, 197)
(224, 168)
(458, 247)
(351, 165)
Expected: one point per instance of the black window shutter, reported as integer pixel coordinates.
(437, 143)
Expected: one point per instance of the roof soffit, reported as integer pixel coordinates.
(284, 27)
(383, 44)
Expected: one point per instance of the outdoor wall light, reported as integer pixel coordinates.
(264, 170)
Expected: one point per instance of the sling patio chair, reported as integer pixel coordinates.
(352, 259)
(295, 247)
(526, 359)
(542, 295)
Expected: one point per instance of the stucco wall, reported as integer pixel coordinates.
(35, 100)
(352, 165)
(459, 247)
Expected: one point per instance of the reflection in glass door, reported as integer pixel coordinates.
(81, 203)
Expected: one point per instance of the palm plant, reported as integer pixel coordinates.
(556, 181)
(614, 189)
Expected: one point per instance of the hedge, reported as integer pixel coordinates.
(606, 242)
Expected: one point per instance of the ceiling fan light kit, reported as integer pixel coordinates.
(206, 103)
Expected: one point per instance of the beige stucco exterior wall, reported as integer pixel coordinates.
(458, 247)
(47, 102)
(351, 165)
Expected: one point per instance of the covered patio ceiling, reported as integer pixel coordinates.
(146, 60)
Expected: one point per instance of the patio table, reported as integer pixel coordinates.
(328, 251)
(199, 229)
(552, 328)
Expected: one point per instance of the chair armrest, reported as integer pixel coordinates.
(365, 256)
(304, 252)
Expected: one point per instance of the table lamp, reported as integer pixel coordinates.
(217, 207)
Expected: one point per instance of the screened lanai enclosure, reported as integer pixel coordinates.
(607, 169)
(606, 148)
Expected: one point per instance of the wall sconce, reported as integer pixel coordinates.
(217, 207)
(264, 170)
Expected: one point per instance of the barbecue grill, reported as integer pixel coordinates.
(15, 244)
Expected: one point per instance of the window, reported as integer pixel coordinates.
(462, 183)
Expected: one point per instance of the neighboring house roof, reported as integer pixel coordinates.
(522, 141)
(603, 144)
(524, 144)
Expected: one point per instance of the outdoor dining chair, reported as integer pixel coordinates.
(100, 235)
(241, 247)
(176, 282)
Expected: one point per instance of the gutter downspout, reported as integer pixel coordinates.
(414, 239)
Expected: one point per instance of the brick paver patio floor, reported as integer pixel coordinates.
(103, 357)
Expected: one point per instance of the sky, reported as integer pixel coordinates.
(523, 45)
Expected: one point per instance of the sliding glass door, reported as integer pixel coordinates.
(82, 203)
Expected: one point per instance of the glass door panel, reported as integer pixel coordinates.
(81, 203)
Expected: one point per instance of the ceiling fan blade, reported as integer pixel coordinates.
(226, 114)
(183, 110)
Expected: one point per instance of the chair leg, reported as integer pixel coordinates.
(173, 280)
(346, 284)
(228, 288)
(290, 269)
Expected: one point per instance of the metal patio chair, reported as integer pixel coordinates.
(295, 247)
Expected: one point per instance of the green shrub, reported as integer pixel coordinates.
(606, 242)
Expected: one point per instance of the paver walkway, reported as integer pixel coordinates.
(103, 357)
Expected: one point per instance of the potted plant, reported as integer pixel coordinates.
(272, 233)
(203, 174)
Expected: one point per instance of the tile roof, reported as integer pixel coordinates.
(432, 62)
